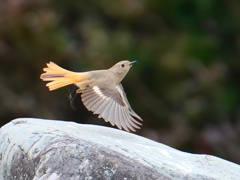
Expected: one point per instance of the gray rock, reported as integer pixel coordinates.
(56, 150)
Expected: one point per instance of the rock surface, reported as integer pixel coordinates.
(56, 150)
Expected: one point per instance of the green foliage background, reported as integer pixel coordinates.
(186, 82)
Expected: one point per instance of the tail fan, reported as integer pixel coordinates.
(60, 77)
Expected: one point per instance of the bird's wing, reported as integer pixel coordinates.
(124, 97)
(110, 102)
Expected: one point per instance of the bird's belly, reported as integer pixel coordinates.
(82, 85)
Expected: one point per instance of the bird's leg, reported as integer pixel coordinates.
(71, 97)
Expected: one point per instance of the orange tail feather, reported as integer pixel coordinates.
(60, 77)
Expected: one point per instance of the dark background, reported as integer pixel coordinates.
(185, 84)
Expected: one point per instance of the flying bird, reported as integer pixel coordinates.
(101, 92)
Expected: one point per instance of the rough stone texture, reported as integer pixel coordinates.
(56, 150)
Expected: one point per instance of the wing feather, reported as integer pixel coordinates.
(124, 119)
(105, 113)
(102, 106)
(110, 102)
(111, 113)
(117, 116)
(132, 120)
(127, 120)
(97, 105)
(91, 103)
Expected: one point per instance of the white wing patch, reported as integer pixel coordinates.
(121, 93)
(97, 90)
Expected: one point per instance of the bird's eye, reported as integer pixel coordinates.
(122, 65)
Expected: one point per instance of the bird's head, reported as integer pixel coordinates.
(122, 68)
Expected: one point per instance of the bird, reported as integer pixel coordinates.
(101, 92)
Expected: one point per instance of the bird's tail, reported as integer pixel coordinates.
(60, 77)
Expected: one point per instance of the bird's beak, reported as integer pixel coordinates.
(131, 63)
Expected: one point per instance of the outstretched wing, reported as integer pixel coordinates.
(110, 102)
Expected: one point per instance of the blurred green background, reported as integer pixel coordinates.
(185, 84)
